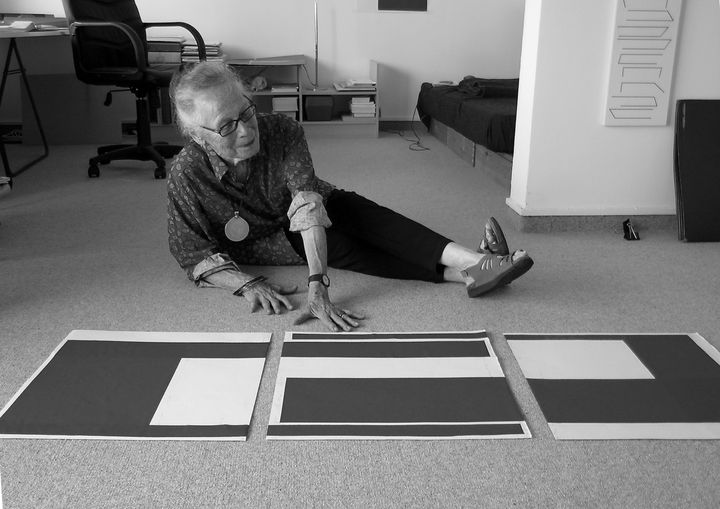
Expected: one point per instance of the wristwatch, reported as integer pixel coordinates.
(321, 278)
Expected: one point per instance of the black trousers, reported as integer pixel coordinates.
(369, 238)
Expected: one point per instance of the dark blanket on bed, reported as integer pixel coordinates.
(482, 110)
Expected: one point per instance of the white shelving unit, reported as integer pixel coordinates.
(287, 69)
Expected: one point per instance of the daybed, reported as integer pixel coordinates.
(475, 118)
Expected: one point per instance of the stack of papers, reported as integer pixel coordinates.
(362, 107)
(213, 51)
(285, 105)
(356, 85)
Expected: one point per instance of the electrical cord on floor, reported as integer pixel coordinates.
(415, 143)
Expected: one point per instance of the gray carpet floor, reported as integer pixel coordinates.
(77, 253)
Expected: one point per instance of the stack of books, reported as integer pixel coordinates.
(285, 105)
(284, 87)
(356, 85)
(213, 51)
(165, 50)
(362, 107)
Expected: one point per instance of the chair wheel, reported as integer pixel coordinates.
(93, 171)
(160, 173)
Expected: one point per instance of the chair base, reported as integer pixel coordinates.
(156, 152)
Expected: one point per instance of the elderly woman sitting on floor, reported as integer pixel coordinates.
(243, 191)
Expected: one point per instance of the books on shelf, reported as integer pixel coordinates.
(355, 86)
(213, 52)
(165, 43)
(359, 120)
(164, 57)
(284, 87)
(285, 104)
(356, 109)
(362, 107)
(165, 50)
(361, 82)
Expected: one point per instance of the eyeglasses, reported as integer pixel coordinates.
(230, 127)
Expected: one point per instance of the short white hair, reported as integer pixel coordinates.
(194, 79)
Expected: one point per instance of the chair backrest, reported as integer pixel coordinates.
(103, 47)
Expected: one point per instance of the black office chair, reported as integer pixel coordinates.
(109, 47)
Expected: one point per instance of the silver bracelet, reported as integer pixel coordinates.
(248, 285)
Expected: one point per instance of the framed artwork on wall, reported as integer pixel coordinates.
(641, 66)
(402, 5)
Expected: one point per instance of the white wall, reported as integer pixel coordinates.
(53, 7)
(566, 162)
(449, 41)
(453, 39)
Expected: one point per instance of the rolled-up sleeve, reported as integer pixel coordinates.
(307, 210)
(212, 264)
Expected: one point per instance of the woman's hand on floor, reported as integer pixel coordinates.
(270, 297)
(332, 316)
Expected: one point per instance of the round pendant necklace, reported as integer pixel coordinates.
(236, 229)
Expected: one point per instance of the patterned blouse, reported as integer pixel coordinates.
(278, 190)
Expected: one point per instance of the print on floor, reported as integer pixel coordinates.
(623, 386)
(141, 385)
(423, 385)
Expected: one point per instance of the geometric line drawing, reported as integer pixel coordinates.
(637, 73)
(635, 101)
(642, 61)
(640, 58)
(629, 87)
(649, 15)
(644, 44)
(641, 31)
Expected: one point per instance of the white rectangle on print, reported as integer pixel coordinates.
(170, 337)
(356, 367)
(635, 430)
(210, 392)
(578, 359)
(411, 367)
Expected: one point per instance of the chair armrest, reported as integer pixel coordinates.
(138, 46)
(193, 31)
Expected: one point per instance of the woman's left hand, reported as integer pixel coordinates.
(332, 316)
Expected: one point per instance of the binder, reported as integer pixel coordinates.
(697, 169)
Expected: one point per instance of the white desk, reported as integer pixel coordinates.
(13, 35)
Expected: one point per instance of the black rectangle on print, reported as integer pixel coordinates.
(402, 5)
(366, 400)
(388, 335)
(673, 357)
(389, 349)
(90, 395)
(109, 388)
(628, 401)
(403, 430)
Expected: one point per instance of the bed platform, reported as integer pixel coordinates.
(476, 119)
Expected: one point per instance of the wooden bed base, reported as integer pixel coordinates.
(497, 165)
